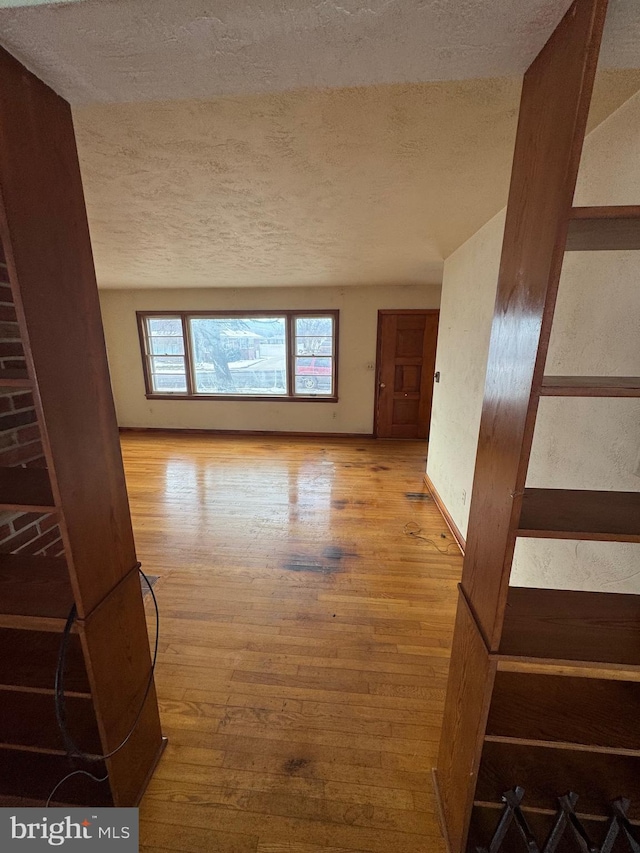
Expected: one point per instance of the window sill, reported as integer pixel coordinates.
(240, 398)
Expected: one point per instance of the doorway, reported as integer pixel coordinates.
(406, 362)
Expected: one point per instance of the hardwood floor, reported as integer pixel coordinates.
(304, 642)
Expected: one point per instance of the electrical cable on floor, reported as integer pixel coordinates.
(414, 530)
(71, 747)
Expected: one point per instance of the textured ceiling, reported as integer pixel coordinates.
(142, 50)
(370, 185)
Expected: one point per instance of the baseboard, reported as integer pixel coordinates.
(445, 514)
(248, 432)
(440, 809)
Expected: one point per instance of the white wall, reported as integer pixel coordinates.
(579, 443)
(353, 413)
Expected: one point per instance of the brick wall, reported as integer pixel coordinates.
(20, 445)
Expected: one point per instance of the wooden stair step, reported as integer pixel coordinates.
(26, 489)
(580, 514)
(34, 590)
(596, 229)
(593, 629)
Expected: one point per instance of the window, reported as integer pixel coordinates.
(287, 355)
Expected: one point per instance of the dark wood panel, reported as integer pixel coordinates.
(29, 659)
(26, 489)
(34, 775)
(406, 363)
(467, 704)
(577, 514)
(33, 587)
(604, 229)
(54, 287)
(589, 711)
(566, 625)
(29, 719)
(117, 650)
(485, 820)
(546, 773)
(553, 113)
(590, 386)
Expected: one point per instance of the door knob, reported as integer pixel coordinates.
(382, 385)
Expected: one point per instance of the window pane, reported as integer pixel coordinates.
(166, 345)
(239, 355)
(164, 326)
(314, 326)
(168, 374)
(314, 375)
(314, 346)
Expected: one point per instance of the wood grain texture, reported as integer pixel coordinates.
(54, 289)
(467, 705)
(587, 711)
(553, 113)
(592, 628)
(32, 589)
(597, 229)
(26, 490)
(590, 386)
(577, 514)
(304, 641)
(405, 364)
(115, 643)
(543, 771)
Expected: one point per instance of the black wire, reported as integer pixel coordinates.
(60, 701)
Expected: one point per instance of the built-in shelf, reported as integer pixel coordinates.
(34, 591)
(590, 386)
(592, 629)
(545, 773)
(15, 379)
(33, 775)
(26, 489)
(29, 660)
(29, 720)
(596, 229)
(580, 514)
(565, 710)
(486, 815)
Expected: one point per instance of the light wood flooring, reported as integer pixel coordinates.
(304, 642)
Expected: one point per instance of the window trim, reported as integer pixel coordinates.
(290, 316)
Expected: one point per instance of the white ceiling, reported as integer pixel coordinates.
(142, 50)
(283, 142)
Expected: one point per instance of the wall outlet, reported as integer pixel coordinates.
(370, 365)
(464, 496)
(334, 415)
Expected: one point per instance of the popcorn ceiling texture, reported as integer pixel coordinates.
(370, 185)
(578, 443)
(125, 50)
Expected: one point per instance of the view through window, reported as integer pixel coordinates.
(286, 354)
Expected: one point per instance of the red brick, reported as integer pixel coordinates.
(28, 433)
(10, 349)
(40, 462)
(8, 313)
(13, 363)
(22, 454)
(19, 540)
(5, 532)
(23, 400)
(6, 403)
(17, 419)
(47, 522)
(40, 542)
(27, 518)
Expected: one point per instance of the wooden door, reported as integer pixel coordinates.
(406, 362)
